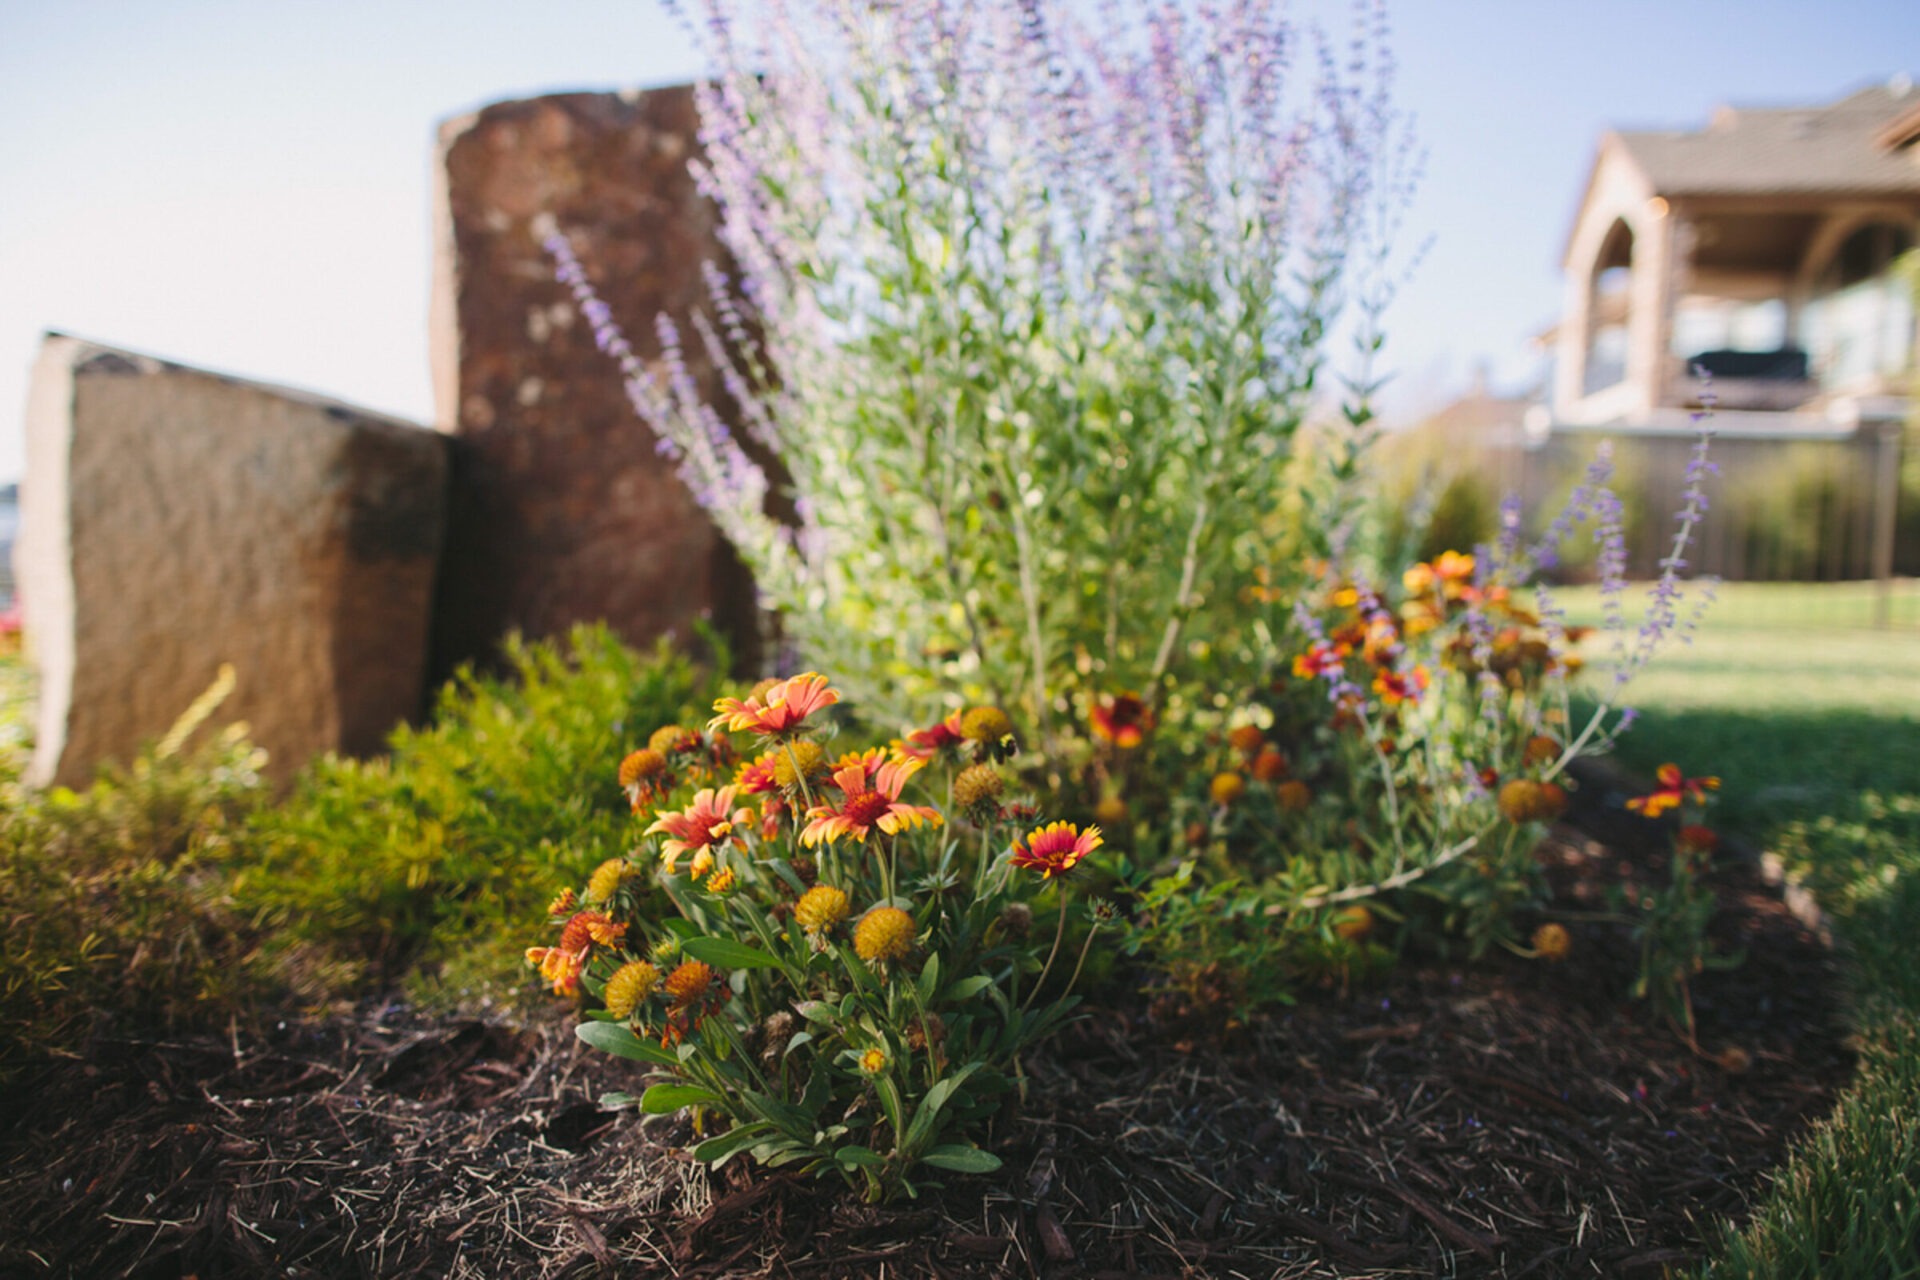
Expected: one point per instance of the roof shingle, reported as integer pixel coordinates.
(1836, 149)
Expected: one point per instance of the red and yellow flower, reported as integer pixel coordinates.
(1321, 658)
(780, 710)
(867, 803)
(562, 964)
(756, 776)
(1395, 687)
(1055, 850)
(1124, 719)
(707, 822)
(924, 744)
(1674, 790)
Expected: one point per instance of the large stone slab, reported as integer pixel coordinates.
(173, 520)
(563, 511)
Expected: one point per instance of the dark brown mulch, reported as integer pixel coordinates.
(1505, 1119)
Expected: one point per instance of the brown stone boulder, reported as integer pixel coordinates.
(562, 509)
(173, 520)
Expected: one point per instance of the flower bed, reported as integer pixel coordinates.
(1512, 1107)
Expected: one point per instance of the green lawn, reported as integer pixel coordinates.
(1812, 719)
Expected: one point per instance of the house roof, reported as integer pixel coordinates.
(1844, 148)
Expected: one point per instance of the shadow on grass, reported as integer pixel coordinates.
(1778, 767)
(1836, 794)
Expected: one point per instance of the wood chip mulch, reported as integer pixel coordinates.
(1508, 1118)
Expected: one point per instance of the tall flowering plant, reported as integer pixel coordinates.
(1029, 308)
(1411, 748)
(829, 969)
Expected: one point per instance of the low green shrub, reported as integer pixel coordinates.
(840, 975)
(425, 863)
(114, 900)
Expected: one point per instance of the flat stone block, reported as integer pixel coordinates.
(562, 509)
(174, 519)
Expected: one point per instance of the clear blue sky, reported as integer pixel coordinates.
(244, 186)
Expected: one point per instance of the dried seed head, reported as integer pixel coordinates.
(630, 984)
(1552, 942)
(920, 1033)
(985, 724)
(1353, 923)
(884, 933)
(977, 785)
(669, 738)
(806, 756)
(821, 907)
(641, 765)
(1270, 765)
(1295, 796)
(605, 881)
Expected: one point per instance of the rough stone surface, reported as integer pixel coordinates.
(174, 519)
(563, 511)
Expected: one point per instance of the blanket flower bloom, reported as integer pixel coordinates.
(756, 776)
(1055, 850)
(780, 711)
(1395, 687)
(1122, 719)
(867, 803)
(697, 828)
(1674, 790)
(924, 744)
(1321, 658)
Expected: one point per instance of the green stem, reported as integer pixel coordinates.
(1059, 932)
(1081, 963)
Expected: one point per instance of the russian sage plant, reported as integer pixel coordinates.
(1029, 308)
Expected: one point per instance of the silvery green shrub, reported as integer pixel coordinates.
(1030, 305)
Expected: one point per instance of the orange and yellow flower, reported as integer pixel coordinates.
(1395, 687)
(756, 776)
(780, 710)
(706, 822)
(867, 803)
(562, 964)
(1321, 658)
(924, 744)
(1055, 850)
(1674, 790)
(1123, 719)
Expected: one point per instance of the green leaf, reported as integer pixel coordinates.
(799, 1038)
(929, 976)
(716, 1150)
(682, 929)
(850, 1156)
(966, 989)
(962, 1159)
(817, 1011)
(663, 1099)
(943, 1089)
(621, 1042)
(616, 1101)
(728, 954)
